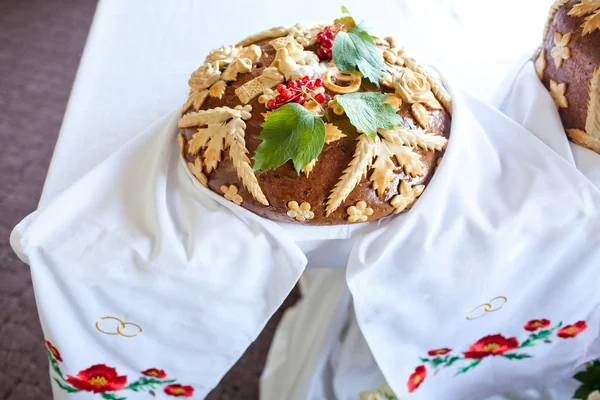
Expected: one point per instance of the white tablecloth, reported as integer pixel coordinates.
(140, 53)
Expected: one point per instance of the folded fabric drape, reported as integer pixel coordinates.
(138, 267)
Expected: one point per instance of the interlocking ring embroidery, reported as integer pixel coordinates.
(121, 328)
(487, 307)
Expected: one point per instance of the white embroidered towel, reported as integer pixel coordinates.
(489, 284)
(136, 239)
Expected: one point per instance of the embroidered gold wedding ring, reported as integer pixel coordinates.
(487, 308)
(498, 299)
(121, 328)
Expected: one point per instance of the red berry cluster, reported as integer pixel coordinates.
(297, 91)
(325, 40)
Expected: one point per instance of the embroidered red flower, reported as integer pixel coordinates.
(417, 377)
(570, 331)
(98, 379)
(439, 352)
(178, 390)
(491, 345)
(536, 324)
(156, 373)
(54, 351)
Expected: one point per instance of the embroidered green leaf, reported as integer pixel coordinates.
(145, 383)
(54, 365)
(438, 361)
(290, 133)
(65, 387)
(515, 356)
(527, 343)
(452, 361)
(541, 335)
(368, 112)
(468, 367)
(425, 360)
(110, 396)
(356, 50)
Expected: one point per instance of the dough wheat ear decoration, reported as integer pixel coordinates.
(304, 122)
(222, 65)
(399, 143)
(591, 8)
(224, 129)
(590, 138)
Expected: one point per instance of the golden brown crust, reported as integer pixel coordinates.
(568, 64)
(303, 198)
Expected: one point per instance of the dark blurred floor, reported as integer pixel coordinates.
(40, 45)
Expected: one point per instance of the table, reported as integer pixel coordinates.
(140, 53)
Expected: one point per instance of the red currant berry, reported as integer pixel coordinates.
(280, 87)
(292, 85)
(321, 37)
(320, 98)
(305, 79)
(271, 104)
(280, 99)
(300, 100)
(329, 34)
(328, 43)
(329, 54)
(288, 94)
(310, 85)
(318, 82)
(321, 53)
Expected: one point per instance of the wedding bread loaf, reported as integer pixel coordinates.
(568, 63)
(315, 124)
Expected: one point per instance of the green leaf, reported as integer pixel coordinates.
(527, 343)
(581, 376)
(290, 133)
(367, 111)
(438, 361)
(65, 387)
(515, 356)
(468, 367)
(55, 366)
(424, 360)
(145, 383)
(345, 10)
(356, 49)
(583, 392)
(110, 396)
(451, 361)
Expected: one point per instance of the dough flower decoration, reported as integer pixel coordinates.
(231, 193)
(561, 50)
(557, 91)
(300, 212)
(415, 89)
(360, 212)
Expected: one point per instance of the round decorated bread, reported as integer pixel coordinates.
(568, 63)
(315, 124)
